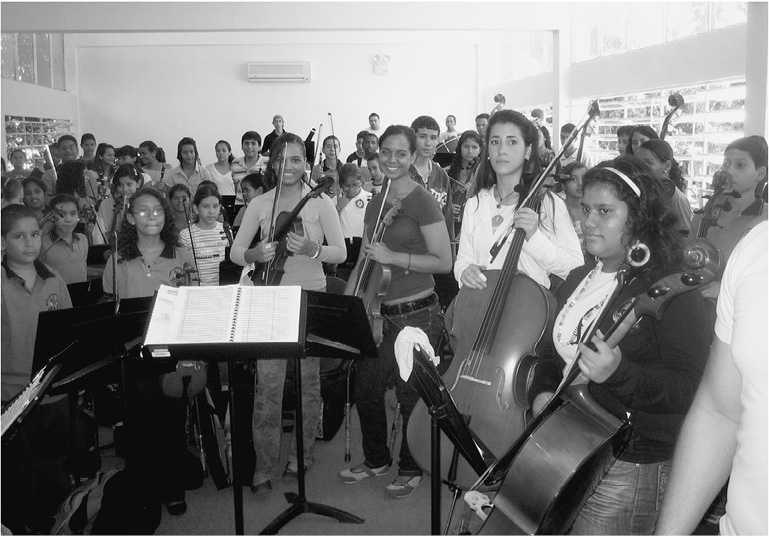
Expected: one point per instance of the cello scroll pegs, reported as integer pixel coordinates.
(657, 291)
(692, 280)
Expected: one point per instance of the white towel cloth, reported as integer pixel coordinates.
(404, 350)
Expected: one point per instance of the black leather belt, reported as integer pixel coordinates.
(409, 307)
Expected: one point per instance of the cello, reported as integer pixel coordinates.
(494, 359)
(545, 479)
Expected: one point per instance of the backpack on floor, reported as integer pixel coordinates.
(78, 511)
(115, 502)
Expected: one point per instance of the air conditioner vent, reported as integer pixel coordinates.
(279, 72)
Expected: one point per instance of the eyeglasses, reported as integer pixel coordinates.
(145, 212)
(355, 184)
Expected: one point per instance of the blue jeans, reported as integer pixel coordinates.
(627, 501)
(371, 378)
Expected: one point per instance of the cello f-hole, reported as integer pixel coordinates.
(501, 388)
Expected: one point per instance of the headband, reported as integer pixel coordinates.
(626, 179)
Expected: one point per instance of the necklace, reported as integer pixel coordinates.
(577, 334)
(497, 220)
(499, 194)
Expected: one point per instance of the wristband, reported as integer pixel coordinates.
(317, 251)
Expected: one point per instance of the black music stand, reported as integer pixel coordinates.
(447, 418)
(101, 336)
(319, 312)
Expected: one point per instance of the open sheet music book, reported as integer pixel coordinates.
(232, 313)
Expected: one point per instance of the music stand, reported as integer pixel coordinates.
(100, 336)
(316, 309)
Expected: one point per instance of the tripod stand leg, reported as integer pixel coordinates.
(299, 504)
(435, 480)
(237, 490)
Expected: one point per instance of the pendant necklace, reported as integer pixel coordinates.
(497, 220)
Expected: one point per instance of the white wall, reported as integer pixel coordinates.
(176, 85)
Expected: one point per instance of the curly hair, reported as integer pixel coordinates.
(649, 220)
(456, 163)
(276, 155)
(487, 177)
(128, 238)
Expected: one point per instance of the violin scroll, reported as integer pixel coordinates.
(704, 260)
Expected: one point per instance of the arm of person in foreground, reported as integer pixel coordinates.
(706, 446)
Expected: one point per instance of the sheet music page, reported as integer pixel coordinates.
(162, 315)
(188, 315)
(205, 314)
(269, 314)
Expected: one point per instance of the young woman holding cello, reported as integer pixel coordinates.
(414, 246)
(300, 264)
(503, 306)
(650, 378)
(509, 163)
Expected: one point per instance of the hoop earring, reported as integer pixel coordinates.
(638, 254)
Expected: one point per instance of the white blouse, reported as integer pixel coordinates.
(223, 182)
(554, 248)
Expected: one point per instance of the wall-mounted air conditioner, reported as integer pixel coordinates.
(298, 71)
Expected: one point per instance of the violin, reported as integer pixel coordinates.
(374, 278)
(546, 481)
(727, 217)
(270, 273)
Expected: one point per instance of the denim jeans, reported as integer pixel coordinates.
(371, 378)
(627, 501)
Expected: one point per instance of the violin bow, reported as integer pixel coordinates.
(192, 240)
(315, 160)
(278, 190)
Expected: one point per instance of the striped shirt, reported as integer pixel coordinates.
(209, 251)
